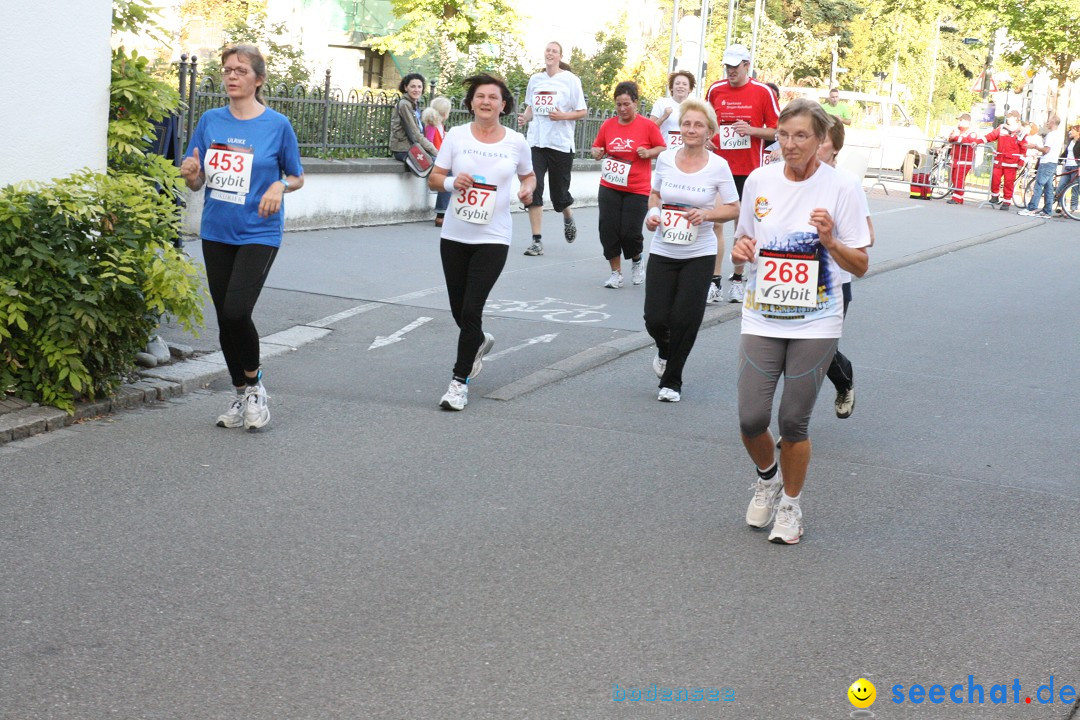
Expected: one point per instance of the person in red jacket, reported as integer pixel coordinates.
(1011, 147)
(963, 140)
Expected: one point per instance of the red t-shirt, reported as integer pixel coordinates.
(754, 103)
(622, 142)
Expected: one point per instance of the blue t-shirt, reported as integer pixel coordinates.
(242, 159)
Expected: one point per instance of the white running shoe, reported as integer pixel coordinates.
(256, 411)
(485, 348)
(763, 504)
(788, 527)
(715, 294)
(668, 395)
(637, 272)
(736, 291)
(845, 402)
(456, 397)
(537, 248)
(659, 365)
(234, 416)
(615, 281)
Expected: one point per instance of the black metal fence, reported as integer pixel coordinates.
(331, 123)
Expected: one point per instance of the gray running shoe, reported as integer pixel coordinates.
(537, 248)
(485, 348)
(569, 230)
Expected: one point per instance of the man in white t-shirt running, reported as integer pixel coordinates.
(747, 112)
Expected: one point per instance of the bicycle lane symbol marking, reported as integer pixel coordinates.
(552, 309)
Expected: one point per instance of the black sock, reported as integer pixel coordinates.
(463, 381)
(716, 280)
(736, 277)
(768, 474)
(253, 381)
(536, 238)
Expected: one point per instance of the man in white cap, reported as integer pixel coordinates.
(747, 113)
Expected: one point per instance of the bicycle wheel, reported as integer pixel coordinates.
(1025, 192)
(940, 180)
(1069, 202)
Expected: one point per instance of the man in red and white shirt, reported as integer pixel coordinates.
(747, 113)
(963, 140)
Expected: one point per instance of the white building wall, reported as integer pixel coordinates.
(55, 86)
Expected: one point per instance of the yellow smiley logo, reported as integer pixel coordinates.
(862, 693)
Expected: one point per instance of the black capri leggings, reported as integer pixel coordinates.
(622, 215)
(235, 275)
(675, 292)
(470, 272)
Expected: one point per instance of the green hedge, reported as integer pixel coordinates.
(87, 267)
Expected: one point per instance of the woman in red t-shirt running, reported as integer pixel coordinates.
(627, 143)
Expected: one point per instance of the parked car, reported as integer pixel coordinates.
(881, 132)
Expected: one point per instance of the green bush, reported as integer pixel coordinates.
(87, 264)
(86, 269)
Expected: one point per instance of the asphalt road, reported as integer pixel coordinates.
(370, 556)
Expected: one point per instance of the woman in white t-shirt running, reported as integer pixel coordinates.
(693, 193)
(800, 225)
(484, 158)
(665, 112)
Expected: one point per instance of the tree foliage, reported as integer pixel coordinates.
(601, 71)
(450, 30)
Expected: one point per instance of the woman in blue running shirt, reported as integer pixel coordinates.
(246, 157)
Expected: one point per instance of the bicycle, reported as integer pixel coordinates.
(1063, 191)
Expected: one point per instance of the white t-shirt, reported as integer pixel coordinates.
(697, 190)
(775, 212)
(672, 123)
(496, 164)
(845, 276)
(561, 91)
(1054, 140)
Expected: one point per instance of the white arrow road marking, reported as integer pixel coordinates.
(527, 343)
(381, 341)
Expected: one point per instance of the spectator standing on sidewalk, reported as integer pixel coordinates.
(554, 101)
(1009, 157)
(405, 127)
(963, 140)
(1049, 149)
(837, 109)
(627, 143)
(484, 157)
(1070, 160)
(434, 119)
(247, 157)
(747, 112)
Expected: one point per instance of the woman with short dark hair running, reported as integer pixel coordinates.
(627, 143)
(477, 164)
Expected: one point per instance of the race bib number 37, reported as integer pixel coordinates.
(732, 140)
(787, 278)
(677, 227)
(228, 171)
(615, 172)
(475, 205)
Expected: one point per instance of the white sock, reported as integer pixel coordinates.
(786, 499)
